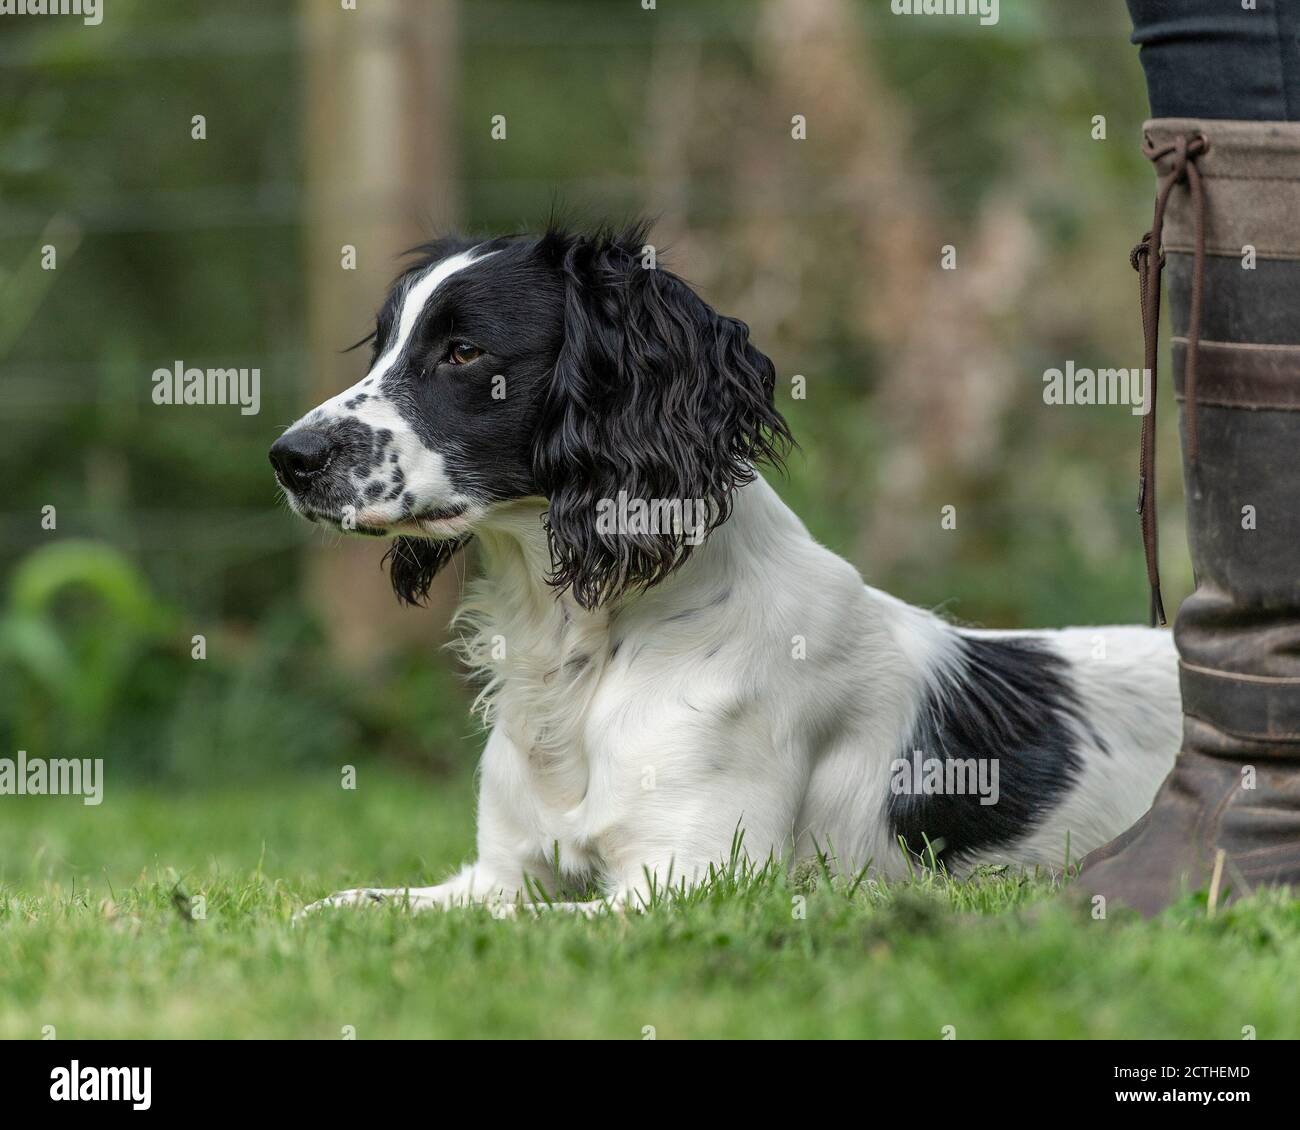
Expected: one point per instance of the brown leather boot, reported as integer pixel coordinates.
(1227, 818)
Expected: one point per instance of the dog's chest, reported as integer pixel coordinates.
(588, 756)
(547, 695)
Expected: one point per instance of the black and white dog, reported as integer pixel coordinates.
(667, 654)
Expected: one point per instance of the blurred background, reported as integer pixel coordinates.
(328, 128)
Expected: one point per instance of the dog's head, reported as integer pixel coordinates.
(564, 367)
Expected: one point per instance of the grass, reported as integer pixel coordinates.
(94, 941)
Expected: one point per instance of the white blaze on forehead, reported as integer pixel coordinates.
(413, 304)
(414, 301)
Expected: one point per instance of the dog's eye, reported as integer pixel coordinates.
(462, 353)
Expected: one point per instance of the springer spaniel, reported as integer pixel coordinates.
(670, 663)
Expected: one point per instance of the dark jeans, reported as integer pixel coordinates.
(1215, 59)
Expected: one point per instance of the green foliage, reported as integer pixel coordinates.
(78, 621)
(93, 664)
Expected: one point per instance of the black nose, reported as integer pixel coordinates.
(298, 456)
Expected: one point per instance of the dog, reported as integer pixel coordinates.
(671, 665)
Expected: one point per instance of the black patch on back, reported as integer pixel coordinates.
(1011, 699)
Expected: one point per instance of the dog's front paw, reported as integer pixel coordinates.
(361, 896)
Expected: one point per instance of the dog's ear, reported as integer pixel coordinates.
(414, 562)
(654, 394)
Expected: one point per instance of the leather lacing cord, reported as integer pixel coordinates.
(1148, 260)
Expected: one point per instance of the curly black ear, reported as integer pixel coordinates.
(654, 394)
(414, 562)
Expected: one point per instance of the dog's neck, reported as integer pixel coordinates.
(541, 655)
(538, 654)
(516, 560)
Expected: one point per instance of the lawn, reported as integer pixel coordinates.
(95, 940)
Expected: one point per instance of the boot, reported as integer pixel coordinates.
(1227, 818)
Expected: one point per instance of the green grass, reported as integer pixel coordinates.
(92, 940)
